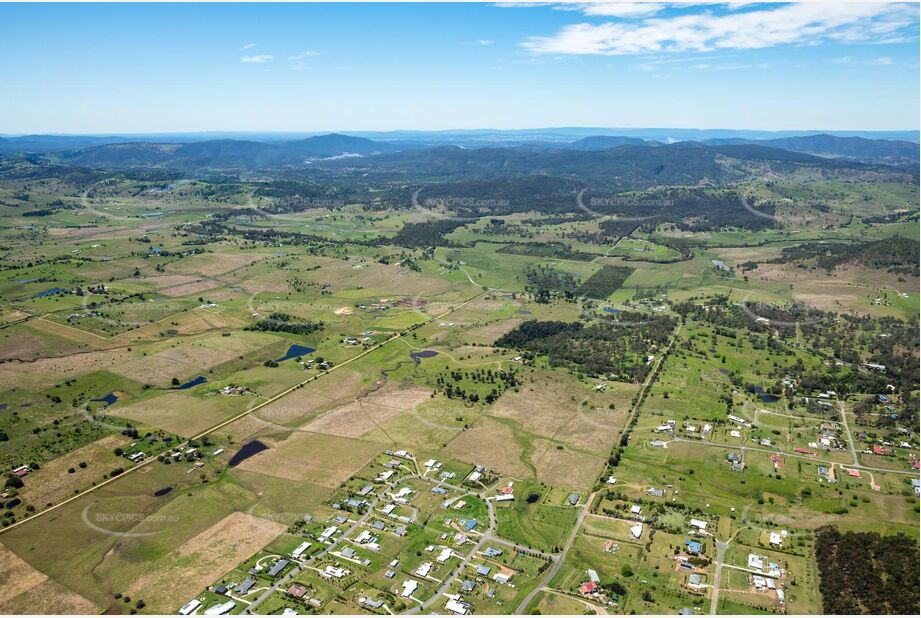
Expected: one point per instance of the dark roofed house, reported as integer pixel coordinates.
(468, 586)
(573, 499)
(220, 589)
(297, 591)
(278, 567)
(246, 585)
(348, 552)
(364, 491)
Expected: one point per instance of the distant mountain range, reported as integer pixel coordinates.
(337, 149)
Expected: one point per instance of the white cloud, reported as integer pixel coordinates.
(801, 24)
(304, 54)
(249, 46)
(257, 59)
(616, 9)
(883, 61)
(485, 42)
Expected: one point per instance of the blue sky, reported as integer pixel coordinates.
(113, 68)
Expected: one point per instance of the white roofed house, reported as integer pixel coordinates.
(699, 524)
(775, 539)
(408, 588)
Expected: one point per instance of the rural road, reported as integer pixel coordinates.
(558, 562)
(787, 454)
(847, 432)
(721, 548)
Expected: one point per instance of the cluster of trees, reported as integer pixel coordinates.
(547, 249)
(283, 323)
(426, 233)
(450, 383)
(546, 283)
(896, 255)
(865, 573)
(602, 348)
(604, 282)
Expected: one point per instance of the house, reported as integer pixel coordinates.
(333, 572)
(780, 596)
(364, 491)
(221, 609)
(348, 552)
(686, 611)
(371, 603)
(190, 608)
(694, 579)
(470, 525)
(483, 570)
(635, 509)
(327, 533)
(699, 524)
(438, 489)
(755, 562)
(468, 586)
(880, 450)
(658, 493)
(593, 576)
(492, 552)
(636, 531)
(298, 591)
(502, 578)
(505, 498)
(573, 499)
(246, 585)
(588, 588)
(423, 569)
(400, 531)
(456, 606)
(474, 476)
(278, 567)
(694, 547)
(444, 556)
(409, 587)
(658, 444)
(300, 549)
(775, 539)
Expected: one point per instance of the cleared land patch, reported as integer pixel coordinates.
(565, 468)
(360, 417)
(492, 444)
(183, 415)
(320, 459)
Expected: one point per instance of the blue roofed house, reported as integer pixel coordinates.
(694, 547)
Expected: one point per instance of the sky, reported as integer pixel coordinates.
(143, 68)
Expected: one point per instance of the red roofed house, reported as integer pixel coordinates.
(588, 588)
(803, 451)
(879, 450)
(506, 490)
(855, 473)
